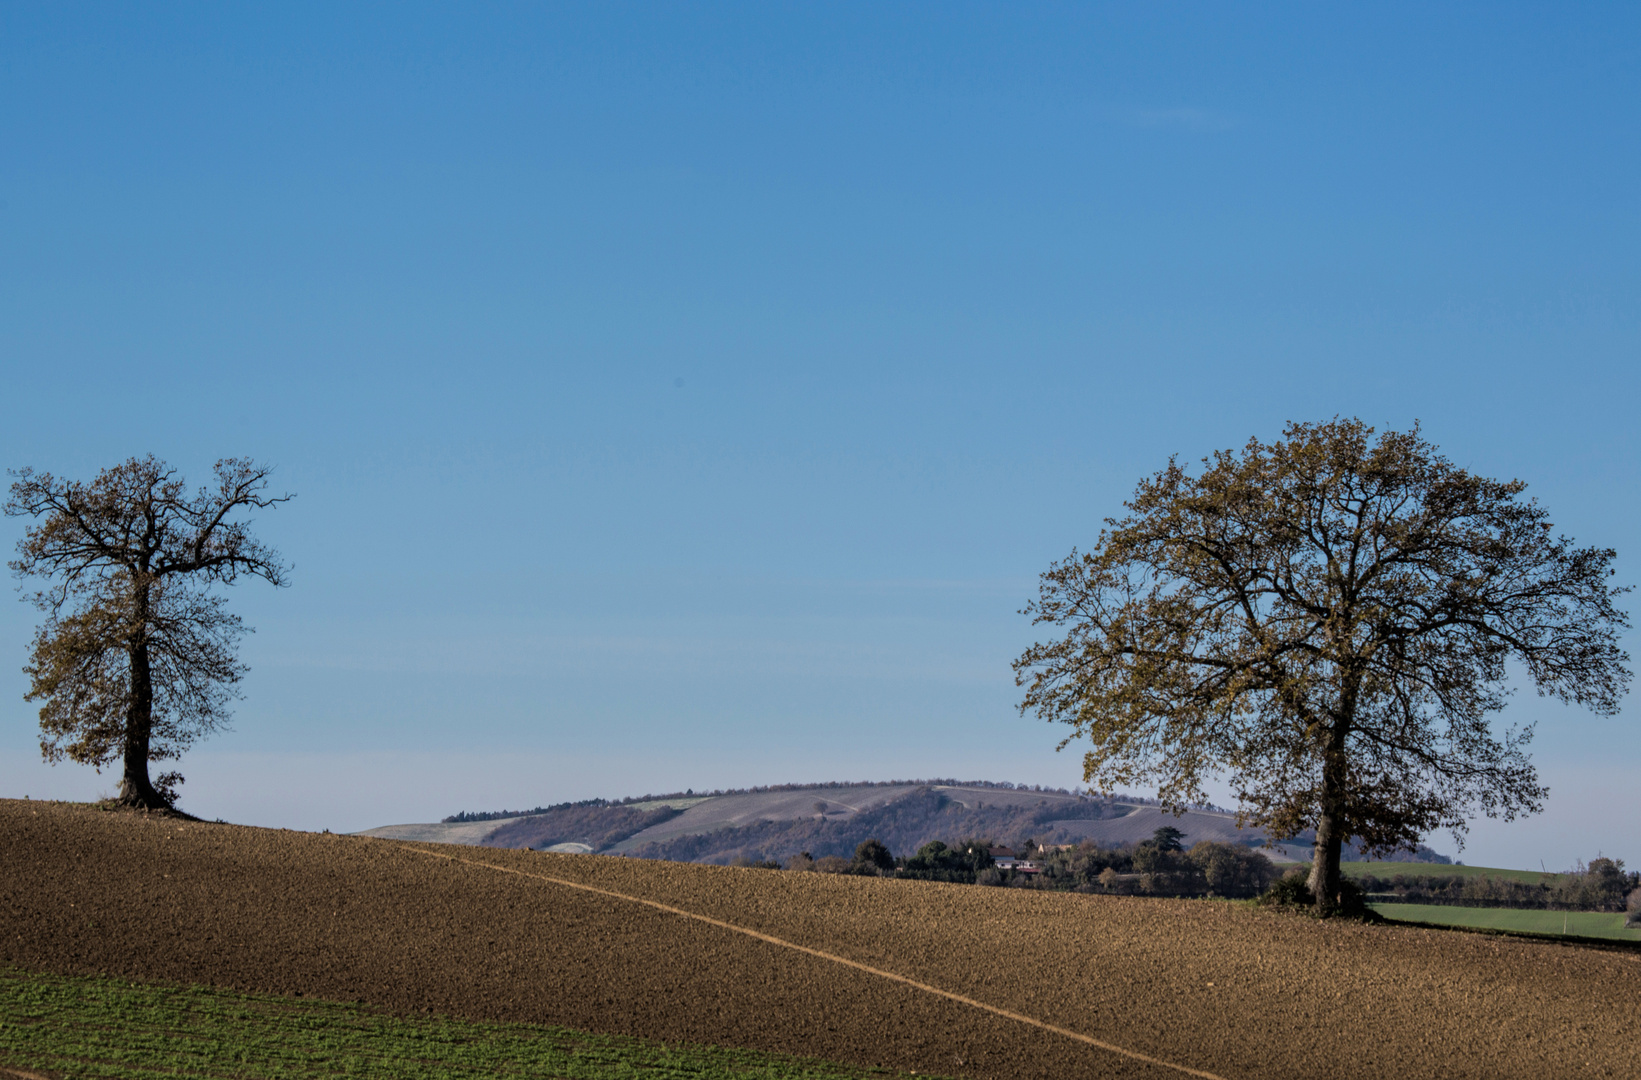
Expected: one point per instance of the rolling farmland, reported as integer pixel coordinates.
(873, 972)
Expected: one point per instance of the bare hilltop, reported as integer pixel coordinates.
(777, 823)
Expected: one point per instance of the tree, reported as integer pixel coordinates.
(1166, 838)
(872, 857)
(1232, 869)
(1328, 620)
(935, 861)
(136, 658)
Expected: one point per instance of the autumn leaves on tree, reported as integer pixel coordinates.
(1327, 620)
(137, 655)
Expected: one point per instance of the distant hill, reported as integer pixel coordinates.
(777, 823)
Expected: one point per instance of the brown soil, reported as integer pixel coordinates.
(479, 933)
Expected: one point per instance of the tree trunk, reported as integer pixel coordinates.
(1330, 836)
(1324, 879)
(135, 787)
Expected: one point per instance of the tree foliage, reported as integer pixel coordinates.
(1600, 886)
(136, 657)
(1167, 838)
(872, 857)
(1153, 868)
(1327, 618)
(935, 861)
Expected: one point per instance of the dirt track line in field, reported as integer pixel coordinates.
(834, 958)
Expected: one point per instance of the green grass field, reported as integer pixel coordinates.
(1590, 924)
(108, 1028)
(1391, 869)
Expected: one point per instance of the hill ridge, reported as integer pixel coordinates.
(776, 822)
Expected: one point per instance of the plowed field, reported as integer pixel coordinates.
(952, 979)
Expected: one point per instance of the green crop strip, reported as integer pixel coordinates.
(87, 1027)
(1571, 924)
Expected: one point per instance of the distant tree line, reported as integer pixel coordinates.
(494, 815)
(497, 815)
(1163, 866)
(1603, 885)
(1160, 866)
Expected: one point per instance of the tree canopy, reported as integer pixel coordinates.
(1167, 838)
(136, 657)
(1329, 620)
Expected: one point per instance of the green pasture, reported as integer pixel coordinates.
(1590, 924)
(1391, 869)
(108, 1028)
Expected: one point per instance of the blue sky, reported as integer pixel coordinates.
(689, 395)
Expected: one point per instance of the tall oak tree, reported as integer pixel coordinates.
(1330, 620)
(137, 655)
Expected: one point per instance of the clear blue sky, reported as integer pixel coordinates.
(689, 395)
